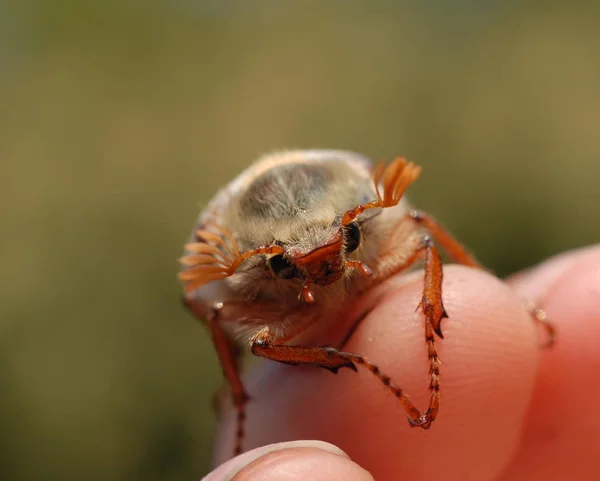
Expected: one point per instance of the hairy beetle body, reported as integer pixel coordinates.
(278, 255)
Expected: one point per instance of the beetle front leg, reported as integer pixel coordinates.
(539, 316)
(432, 307)
(265, 344)
(228, 357)
(447, 241)
(460, 255)
(232, 374)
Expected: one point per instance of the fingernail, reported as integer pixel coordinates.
(228, 470)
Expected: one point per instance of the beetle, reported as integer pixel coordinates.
(276, 252)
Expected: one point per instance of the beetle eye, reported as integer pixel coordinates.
(282, 267)
(352, 237)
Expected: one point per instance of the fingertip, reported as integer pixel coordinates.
(291, 461)
(300, 464)
(563, 424)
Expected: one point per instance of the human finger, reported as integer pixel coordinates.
(293, 461)
(562, 432)
(489, 358)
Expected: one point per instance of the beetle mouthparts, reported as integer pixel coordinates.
(306, 294)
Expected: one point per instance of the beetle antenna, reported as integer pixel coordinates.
(215, 256)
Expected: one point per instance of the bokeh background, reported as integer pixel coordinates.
(120, 119)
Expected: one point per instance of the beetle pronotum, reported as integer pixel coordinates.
(276, 249)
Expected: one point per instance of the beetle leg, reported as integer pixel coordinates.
(223, 392)
(433, 309)
(231, 372)
(447, 241)
(268, 346)
(228, 357)
(539, 316)
(460, 255)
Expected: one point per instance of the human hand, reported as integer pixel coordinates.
(510, 411)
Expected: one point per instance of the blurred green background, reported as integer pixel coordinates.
(120, 119)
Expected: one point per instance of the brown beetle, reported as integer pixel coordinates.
(277, 251)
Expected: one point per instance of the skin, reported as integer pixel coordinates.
(509, 411)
